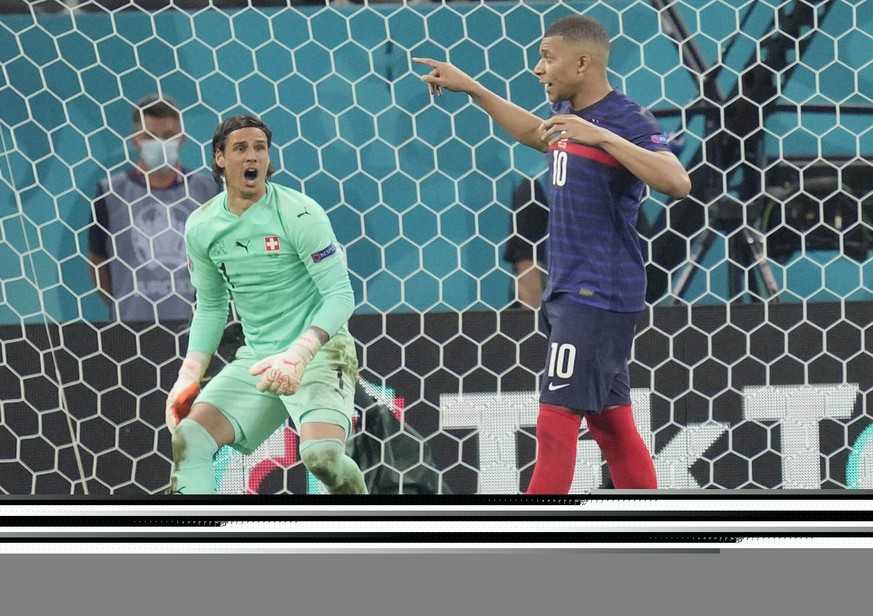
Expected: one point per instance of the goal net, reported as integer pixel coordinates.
(753, 367)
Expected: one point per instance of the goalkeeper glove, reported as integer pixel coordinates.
(283, 372)
(186, 388)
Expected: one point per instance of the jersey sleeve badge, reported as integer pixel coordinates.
(324, 253)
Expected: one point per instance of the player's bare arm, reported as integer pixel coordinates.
(661, 170)
(521, 124)
(101, 277)
(529, 282)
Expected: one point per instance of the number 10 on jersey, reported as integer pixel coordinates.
(562, 360)
(559, 167)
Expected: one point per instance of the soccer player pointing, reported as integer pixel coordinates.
(273, 252)
(603, 149)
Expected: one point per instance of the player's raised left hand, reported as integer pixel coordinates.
(282, 373)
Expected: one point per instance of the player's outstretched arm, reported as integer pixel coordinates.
(521, 124)
(661, 170)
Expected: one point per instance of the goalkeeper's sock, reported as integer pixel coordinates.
(193, 449)
(630, 463)
(326, 459)
(557, 435)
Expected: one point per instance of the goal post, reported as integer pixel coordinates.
(753, 366)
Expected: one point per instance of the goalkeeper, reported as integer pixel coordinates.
(273, 251)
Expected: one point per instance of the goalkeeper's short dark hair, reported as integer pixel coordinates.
(155, 106)
(219, 140)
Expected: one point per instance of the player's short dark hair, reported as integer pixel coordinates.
(580, 28)
(154, 106)
(223, 131)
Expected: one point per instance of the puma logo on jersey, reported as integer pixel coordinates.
(305, 212)
(246, 245)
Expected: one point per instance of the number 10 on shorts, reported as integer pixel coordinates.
(562, 360)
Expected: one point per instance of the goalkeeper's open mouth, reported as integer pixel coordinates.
(250, 175)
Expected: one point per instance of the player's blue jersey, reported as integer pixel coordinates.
(594, 248)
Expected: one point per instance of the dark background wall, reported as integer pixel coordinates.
(768, 381)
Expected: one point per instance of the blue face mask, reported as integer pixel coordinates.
(159, 154)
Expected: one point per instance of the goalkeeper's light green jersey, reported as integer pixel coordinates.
(279, 262)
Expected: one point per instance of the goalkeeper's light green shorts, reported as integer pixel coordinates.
(327, 394)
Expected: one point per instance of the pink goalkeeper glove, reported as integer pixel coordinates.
(283, 372)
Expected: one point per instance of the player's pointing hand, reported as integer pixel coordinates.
(445, 75)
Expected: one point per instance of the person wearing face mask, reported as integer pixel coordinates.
(136, 244)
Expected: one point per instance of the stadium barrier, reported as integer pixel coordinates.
(753, 396)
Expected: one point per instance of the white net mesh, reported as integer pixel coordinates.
(753, 368)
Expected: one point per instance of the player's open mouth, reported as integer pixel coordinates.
(251, 175)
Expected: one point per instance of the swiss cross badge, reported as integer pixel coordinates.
(271, 243)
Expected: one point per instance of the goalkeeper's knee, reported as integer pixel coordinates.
(193, 448)
(323, 457)
(191, 441)
(326, 459)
